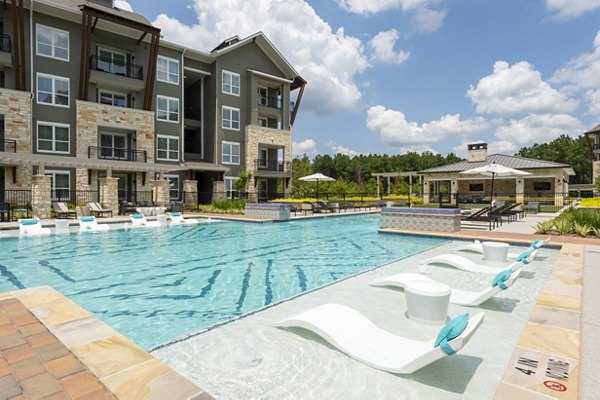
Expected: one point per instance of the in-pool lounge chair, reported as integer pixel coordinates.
(477, 247)
(463, 263)
(62, 211)
(140, 220)
(91, 224)
(502, 281)
(32, 227)
(352, 333)
(177, 218)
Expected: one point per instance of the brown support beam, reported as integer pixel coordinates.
(22, 43)
(151, 74)
(94, 25)
(141, 38)
(297, 105)
(18, 48)
(84, 65)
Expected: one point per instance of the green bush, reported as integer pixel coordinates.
(544, 227)
(563, 226)
(582, 230)
(225, 206)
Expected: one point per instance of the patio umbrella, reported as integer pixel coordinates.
(494, 170)
(316, 178)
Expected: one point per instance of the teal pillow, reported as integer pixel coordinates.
(32, 221)
(537, 244)
(137, 216)
(87, 219)
(175, 214)
(450, 331)
(502, 277)
(523, 257)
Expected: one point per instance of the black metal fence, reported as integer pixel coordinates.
(15, 204)
(548, 202)
(8, 145)
(137, 197)
(272, 102)
(116, 67)
(278, 166)
(117, 153)
(74, 198)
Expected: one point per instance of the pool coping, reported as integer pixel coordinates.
(124, 368)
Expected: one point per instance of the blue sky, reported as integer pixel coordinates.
(390, 76)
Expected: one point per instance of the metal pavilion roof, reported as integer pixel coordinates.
(502, 159)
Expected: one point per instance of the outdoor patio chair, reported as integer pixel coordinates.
(352, 333)
(97, 210)
(532, 207)
(319, 208)
(140, 220)
(480, 215)
(32, 227)
(91, 224)
(465, 264)
(127, 207)
(62, 211)
(325, 206)
(4, 212)
(502, 281)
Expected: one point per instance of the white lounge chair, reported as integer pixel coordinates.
(501, 281)
(32, 227)
(352, 333)
(477, 247)
(140, 220)
(91, 224)
(177, 218)
(465, 264)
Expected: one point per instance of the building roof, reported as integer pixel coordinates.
(596, 129)
(502, 159)
(75, 5)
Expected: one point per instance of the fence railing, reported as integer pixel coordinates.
(117, 68)
(8, 145)
(15, 204)
(277, 166)
(142, 197)
(272, 102)
(74, 198)
(117, 153)
(6, 44)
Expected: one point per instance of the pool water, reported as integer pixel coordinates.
(157, 284)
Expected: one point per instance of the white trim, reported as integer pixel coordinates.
(53, 78)
(269, 76)
(112, 93)
(112, 59)
(158, 96)
(232, 144)
(53, 46)
(232, 74)
(112, 145)
(198, 71)
(167, 177)
(168, 60)
(52, 173)
(168, 149)
(266, 97)
(53, 125)
(229, 193)
(231, 120)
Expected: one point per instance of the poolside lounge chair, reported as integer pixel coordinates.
(177, 218)
(502, 281)
(97, 210)
(140, 220)
(320, 207)
(352, 333)
(477, 247)
(483, 215)
(62, 211)
(91, 224)
(32, 227)
(465, 264)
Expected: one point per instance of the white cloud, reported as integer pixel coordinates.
(461, 149)
(123, 5)
(382, 47)
(593, 97)
(565, 9)
(308, 147)
(377, 6)
(502, 147)
(329, 60)
(339, 149)
(537, 128)
(418, 148)
(582, 72)
(429, 21)
(395, 130)
(517, 89)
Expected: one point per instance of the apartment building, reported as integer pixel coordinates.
(89, 91)
(592, 138)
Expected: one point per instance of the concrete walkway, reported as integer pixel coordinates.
(590, 326)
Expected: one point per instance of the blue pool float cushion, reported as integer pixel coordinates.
(500, 278)
(537, 244)
(524, 256)
(87, 219)
(175, 214)
(450, 331)
(32, 221)
(137, 216)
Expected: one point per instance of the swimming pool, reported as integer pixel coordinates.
(155, 285)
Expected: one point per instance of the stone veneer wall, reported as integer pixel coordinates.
(91, 116)
(190, 194)
(595, 171)
(41, 196)
(15, 105)
(160, 192)
(277, 212)
(109, 193)
(270, 137)
(218, 190)
(436, 220)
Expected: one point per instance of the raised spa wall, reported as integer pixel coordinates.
(421, 219)
(268, 211)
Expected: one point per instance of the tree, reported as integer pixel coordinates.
(241, 183)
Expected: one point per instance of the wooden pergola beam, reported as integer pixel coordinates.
(302, 84)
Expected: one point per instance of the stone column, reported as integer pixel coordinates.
(41, 196)
(218, 190)
(190, 194)
(109, 193)
(519, 190)
(425, 191)
(559, 191)
(82, 180)
(160, 192)
(453, 191)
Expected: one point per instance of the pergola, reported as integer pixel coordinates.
(390, 175)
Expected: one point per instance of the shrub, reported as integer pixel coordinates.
(594, 202)
(544, 227)
(563, 226)
(582, 230)
(596, 231)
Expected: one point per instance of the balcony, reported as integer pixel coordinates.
(108, 73)
(273, 166)
(271, 102)
(8, 145)
(5, 52)
(117, 154)
(6, 44)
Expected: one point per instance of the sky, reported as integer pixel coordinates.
(392, 76)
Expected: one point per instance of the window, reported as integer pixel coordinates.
(167, 70)
(53, 138)
(263, 94)
(542, 186)
(173, 186)
(231, 83)
(262, 158)
(52, 90)
(262, 122)
(112, 99)
(113, 146)
(113, 62)
(167, 148)
(230, 189)
(230, 118)
(51, 42)
(476, 187)
(231, 153)
(60, 184)
(167, 109)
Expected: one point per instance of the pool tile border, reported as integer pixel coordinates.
(126, 369)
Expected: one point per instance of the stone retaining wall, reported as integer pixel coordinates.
(421, 219)
(277, 212)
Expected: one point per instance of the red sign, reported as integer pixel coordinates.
(556, 386)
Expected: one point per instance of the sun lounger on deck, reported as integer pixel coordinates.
(97, 210)
(62, 211)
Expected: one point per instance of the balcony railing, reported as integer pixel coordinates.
(117, 68)
(8, 145)
(6, 44)
(273, 102)
(277, 166)
(117, 153)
